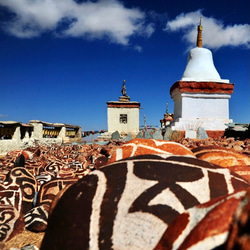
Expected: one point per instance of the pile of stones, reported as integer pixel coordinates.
(141, 194)
(241, 146)
(30, 180)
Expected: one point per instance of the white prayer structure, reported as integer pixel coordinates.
(201, 97)
(123, 115)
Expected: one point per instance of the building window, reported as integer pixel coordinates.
(123, 118)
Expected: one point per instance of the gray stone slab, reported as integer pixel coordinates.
(168, 134)
(140, 135)
(158, 135)
(201, 133)
(115, 136)
(128, 137)
(148, 135)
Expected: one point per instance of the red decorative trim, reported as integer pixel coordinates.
(123, 105)
(203, 87)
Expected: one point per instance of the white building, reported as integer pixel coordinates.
(123, 115)
(201, 97)
(16, 135)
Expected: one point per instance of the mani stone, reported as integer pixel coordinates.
(20, 161)
(28, 184)
(11, 219)
(148, 135)
(157, 135)
(140, 135)
(148, 146)
(128, 137)
(201, 133)
(221, 156)
(123, 205)
(168, 134)
(36, 219)
(115, 136)
(191, 134)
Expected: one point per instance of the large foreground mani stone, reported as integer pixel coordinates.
(129, 204)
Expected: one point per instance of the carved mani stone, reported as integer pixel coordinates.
(49, 190)
(11, 221)
(36, 219)
(140, 146)
(27, 183)
(220, 223)
(20, 161)
(221, 156)
(130, 203)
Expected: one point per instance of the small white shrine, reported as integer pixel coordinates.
(123, 115)
(201, 97)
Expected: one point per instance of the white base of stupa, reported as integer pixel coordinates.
(213, 124)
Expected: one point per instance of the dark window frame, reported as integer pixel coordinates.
(124, 118)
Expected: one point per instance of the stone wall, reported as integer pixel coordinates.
(36, 137)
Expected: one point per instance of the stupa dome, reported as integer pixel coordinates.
(200, 66)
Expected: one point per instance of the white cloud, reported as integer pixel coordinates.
(215, 34)
(138, 48)
(99, 19)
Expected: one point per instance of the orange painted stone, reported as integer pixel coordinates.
(209, 225)
(137, 147)
(221, 156)
(15, 153)
(243, 171)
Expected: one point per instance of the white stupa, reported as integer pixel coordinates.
(201, 97)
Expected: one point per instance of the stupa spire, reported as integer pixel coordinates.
(199, 35)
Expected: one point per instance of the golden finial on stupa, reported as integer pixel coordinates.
(199, 35)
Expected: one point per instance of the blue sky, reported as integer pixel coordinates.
(61, 61)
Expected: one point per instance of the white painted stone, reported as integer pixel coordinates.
(200, 67)
(191, 134)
